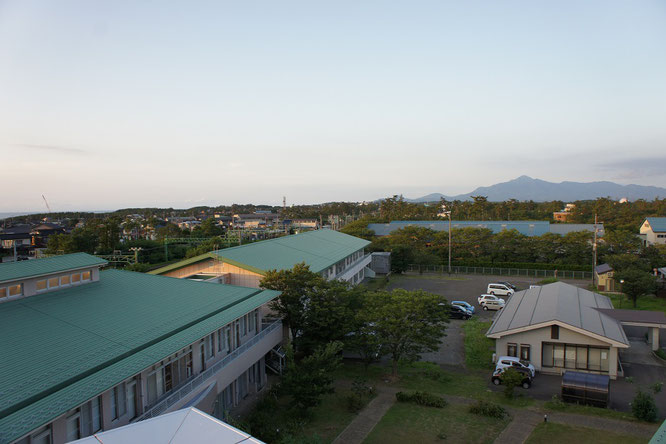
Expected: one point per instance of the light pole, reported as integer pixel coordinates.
(448, 213)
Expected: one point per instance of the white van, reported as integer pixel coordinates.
(499, 290)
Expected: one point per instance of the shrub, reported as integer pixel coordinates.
(354, 402)
(656, 387)
(548, 281)
(361, 388)
(485, 408)
(422, 398)
(643, 407)
(661, 353)
(511, 379)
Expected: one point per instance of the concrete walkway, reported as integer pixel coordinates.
(368, 418)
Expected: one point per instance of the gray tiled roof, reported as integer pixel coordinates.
(561, 302)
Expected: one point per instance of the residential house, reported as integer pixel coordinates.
(653, 231)
(603, 277)
(558, 327)
(565, 214)
(93, 350)
(333, 254)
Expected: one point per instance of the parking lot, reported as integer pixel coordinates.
(462, 288)
(639, 364)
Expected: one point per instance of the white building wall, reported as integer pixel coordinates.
(535, 338)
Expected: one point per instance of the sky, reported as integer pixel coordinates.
(113, 104)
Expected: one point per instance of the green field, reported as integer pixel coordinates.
(547, 433)
(409, 423)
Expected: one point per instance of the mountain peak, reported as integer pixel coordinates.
(527, 188)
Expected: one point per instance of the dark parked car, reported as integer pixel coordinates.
(508, 284)
(526, 382)
(457, 312)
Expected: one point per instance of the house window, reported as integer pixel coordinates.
(220, 339)
(41, 436)
(118, 401)
(243, 325)
(91, 418)
(85, 276)
(74, 426)
(547, 355)
(64, 280)
(574, 356)
(525, 352)
(76, 278)
(54, 282)
(41, 285)
(16, 290)
(3, 293)
(512, 350)
(554, 332)
(252, 321)
(209, 344)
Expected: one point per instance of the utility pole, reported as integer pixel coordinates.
(594, 251)
(166, 248)
(447, 212)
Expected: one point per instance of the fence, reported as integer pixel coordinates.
(496, 271)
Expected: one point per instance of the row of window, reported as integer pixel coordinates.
(225, 339)
(11, 291)
(574, 356)
(169, 374)
(513, 349)
(63, 281)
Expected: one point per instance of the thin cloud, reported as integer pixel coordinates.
(52, 148)
(635, 168)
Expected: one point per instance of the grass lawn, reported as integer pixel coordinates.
(376, 283)
(324, 423)
(330, 418)
(478, 348)
(429, 377)
(547, 433)
(642, 303)
(559, 406)
(411, 423)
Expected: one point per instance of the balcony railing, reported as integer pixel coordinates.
(195, 381)
(355, 266)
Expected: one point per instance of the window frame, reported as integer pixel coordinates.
(509, 346)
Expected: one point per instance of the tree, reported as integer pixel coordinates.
(297, 285)
(329, 314)
(643, 407)
(312, 377)
(511, 379)
(407, 323)
(636, 283)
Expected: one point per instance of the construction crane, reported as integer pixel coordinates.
(47, 204)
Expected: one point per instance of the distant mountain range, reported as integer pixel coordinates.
(527, 188)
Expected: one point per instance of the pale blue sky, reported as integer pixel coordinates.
(114, 104)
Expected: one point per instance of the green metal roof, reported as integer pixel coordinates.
(11, 271)
(70, 345)
(183, 263)
(318, 248)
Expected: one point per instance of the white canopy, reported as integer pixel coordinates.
(185, 426)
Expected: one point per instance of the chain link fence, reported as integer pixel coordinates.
(496, 271)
